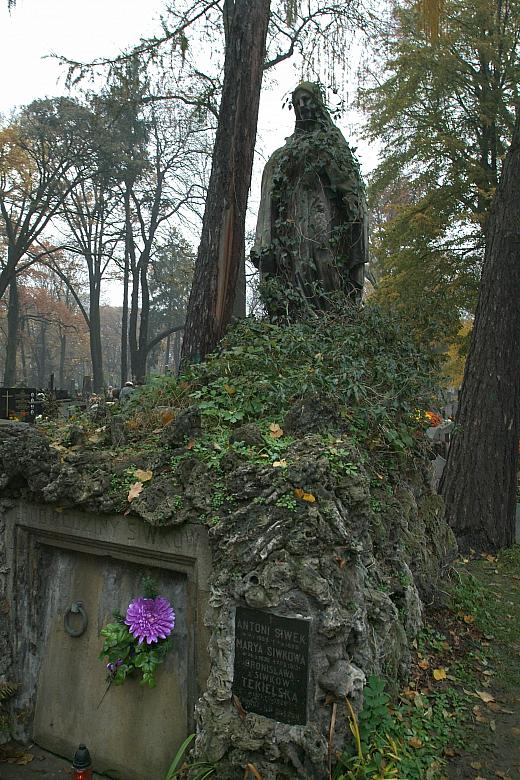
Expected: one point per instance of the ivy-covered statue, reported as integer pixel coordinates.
(312, 229)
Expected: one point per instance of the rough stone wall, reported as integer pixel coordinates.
(354, 561)
(5, 651)
(352, 570)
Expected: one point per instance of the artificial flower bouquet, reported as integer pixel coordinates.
(140, 640)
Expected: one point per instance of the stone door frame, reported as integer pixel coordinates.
(183, 549)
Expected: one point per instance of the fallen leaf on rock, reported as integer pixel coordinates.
(25, 759)
(275, 431)
(57, 446)
(485, 696)
(142, 475)
(298, 492)
(134, 491)
(280, 464)
(439, 674)
(478, 715)
(167, 416)
(309, 498)
(424, 664)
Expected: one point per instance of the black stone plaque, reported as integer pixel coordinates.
(271, 670)
(19, 403)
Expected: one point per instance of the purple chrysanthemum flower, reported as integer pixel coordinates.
(150, 619)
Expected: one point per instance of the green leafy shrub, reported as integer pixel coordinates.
(358, 361)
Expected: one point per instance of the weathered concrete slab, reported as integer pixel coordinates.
(44, 766)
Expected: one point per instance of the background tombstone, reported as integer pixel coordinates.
(19, 403)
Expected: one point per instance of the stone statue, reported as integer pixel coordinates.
(312, 229)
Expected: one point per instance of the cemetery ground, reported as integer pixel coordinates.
(459, 716)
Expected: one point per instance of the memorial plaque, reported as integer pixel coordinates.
(271, 669)
(19, 403)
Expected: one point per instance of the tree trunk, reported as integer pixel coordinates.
(63, 354)
(177, 348)
(479, 481)
(222, 238)
(96, 352)
(9, 269)
(42, 351)
(142, 346)
(23, 362)
(239, 305)
(13, 317)
(132, 322)
(126, 278)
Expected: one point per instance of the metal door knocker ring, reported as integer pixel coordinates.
(76, 608)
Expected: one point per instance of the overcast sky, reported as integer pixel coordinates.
(87, 29)
(79, 29)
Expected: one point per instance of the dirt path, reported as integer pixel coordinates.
(493, 748)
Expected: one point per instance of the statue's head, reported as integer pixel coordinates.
(309, 106)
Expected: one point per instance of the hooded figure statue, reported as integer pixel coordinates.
(312, 228)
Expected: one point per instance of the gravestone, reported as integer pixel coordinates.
(62, 558)
(271, 667)
(19, 403)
